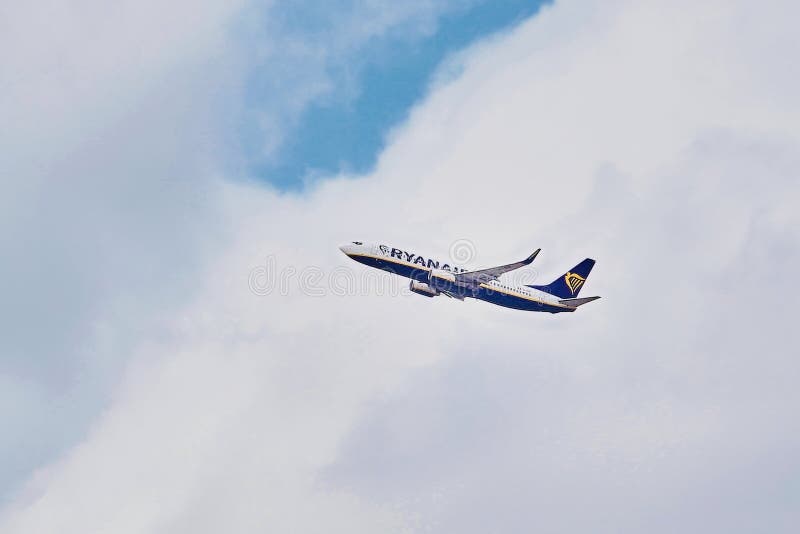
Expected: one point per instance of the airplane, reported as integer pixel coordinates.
(431, 278)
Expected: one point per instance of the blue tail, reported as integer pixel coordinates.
(569, 284)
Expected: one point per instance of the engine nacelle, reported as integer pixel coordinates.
(440, 279)
(421, 288)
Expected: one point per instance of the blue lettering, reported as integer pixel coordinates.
(420, 261)
(408, 256)
(397, 253)
(433, 264)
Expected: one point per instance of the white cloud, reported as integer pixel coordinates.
(655, 139)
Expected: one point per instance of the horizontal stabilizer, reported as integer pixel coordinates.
(574, 303)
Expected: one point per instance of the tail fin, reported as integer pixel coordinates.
(569, 284)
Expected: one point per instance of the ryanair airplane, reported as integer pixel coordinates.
(431, 278)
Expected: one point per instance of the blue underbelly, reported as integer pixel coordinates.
(518, 303)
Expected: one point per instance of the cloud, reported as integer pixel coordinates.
(106, 209)
(657, 139)
(119, 123)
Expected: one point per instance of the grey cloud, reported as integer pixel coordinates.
(107, 209)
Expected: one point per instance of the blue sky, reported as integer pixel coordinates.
(374, 87)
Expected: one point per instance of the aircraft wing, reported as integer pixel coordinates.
(492, 273)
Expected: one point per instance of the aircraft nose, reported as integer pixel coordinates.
(352, 248)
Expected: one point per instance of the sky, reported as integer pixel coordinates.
(161, 159)
(370, 79)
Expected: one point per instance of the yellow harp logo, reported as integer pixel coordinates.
(574, 281)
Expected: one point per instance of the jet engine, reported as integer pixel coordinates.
(421, 288)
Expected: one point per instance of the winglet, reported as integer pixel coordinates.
(530, 258)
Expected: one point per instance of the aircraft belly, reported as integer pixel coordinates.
(518, 303)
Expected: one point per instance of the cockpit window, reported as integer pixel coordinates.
(357, 243)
